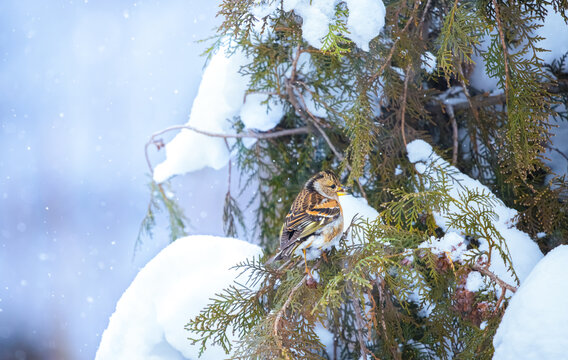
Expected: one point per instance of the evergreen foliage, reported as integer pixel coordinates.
(382, 296)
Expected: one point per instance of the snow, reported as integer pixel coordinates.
(536, 322)
(429, 62)
(255, 115)
(366, 19)
(220, 98)
(451, 243)
(221, 95)
(398, 170)
(523, 250)
(170, 290)
(317, 15)
(353, 206)
(474, 281)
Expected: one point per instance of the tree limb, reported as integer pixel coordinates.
(250, 134)
(485, 271)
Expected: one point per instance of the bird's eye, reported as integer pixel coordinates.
(333, 186)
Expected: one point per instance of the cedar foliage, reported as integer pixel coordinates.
(375, 103)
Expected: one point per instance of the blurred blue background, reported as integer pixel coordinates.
(82, 86)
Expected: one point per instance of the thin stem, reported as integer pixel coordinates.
(281, 313)
(450, 110)
(249, 134)
(403, 108)
(504, 46)
(485, 271)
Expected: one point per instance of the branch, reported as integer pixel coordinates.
(360, 323)
(282, 311)
(393, 46)
(403, 108)
(504, 46)
(485, 271)
(250, 134)
(557, 150)
(450, 110)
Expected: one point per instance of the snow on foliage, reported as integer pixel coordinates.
(536, 322)
(221, 97)
(171, 289)
(523, 250)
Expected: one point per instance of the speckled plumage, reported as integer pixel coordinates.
(315, 219)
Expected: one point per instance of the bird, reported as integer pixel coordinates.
(315, 220)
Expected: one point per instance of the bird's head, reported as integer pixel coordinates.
(327, 184)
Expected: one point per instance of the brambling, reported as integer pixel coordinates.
(315, 220)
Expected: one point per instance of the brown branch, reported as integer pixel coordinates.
(315, 122)
(485, 271)
(360, 324)
(249, 134)
(403, 108)
(504, 46)
(308, 117)
(450, 111)
(281, 312)
(393, 46)
(557, 150)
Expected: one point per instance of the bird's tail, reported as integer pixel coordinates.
(274, 258)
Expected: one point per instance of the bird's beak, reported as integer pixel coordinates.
(341, 191)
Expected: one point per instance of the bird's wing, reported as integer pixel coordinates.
(307, 215)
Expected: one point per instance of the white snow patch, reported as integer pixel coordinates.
(219, 99)
(451, 243)
(429, 62)
(536, 322)
(256, 115)
(474, 281)
(353, 206)
(170, 290)
(398, 170)
(524, 252)
(366, 19)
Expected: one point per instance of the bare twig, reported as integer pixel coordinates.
(315, 122)
(249, 134)
(281, 313)
(450, 110)
(393, 46)
(360, 324)
(308, 117)
(485, 271)
(403, 108)
(557, 150)
(504, 46)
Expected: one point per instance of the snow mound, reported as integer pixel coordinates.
(353, 206)
(536, 322)
(170, 290)
(220, 98)
(318, 15)
(524, 251)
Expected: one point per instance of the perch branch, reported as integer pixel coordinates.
(485, 271)
(283, 310)
(360, 324)
(450, 110)
(403, 108)
(250, 134)
(504, 46)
